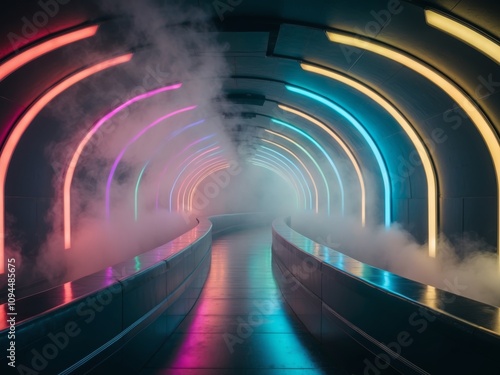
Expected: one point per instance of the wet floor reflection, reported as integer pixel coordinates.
(241, 325)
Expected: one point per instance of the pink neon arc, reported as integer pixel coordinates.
(27, 117)
(200, 168)
(68, 179)
(182, 171)
(164, 170)
(129, 143)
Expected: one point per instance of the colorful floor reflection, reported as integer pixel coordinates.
(241, 325)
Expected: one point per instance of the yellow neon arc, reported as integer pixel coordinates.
(200, 168)
(477, 117)
(344, 147)
(487, 46)
(428, 165)
(305, 152)
(217, 166)
(316, 194)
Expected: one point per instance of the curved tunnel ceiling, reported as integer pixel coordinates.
(432, 166)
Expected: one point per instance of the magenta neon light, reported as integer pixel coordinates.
(129, 143)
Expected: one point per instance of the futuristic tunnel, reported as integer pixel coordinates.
(250, 187)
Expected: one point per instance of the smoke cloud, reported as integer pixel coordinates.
(396, 251)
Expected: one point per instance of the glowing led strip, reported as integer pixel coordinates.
(327, 156)
(159, 148)
(466, 34)
(136, 193)
(371, 143)
(25, 120)
(313, 182)
(279, 155)
(428, 165)
(129, 143)
(68, 178)
(214, 150)
(270, 167)
(481, 122)
(211, 171)
(21, 59)
(344, 147)
(308, 155)
(185, 182)
(278, 163)
(187, 203)
(158, 188)
(271, 157)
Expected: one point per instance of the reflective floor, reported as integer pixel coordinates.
(241, 325)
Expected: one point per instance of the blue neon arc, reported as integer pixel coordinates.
(371, 143)
(263, 152)
(262, 164)
(158, 150)
(323, 151)
(273, 159)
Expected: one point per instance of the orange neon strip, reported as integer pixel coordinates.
(192, 191)
(25, 120)
(300, 161)
(344, 147)
(200, 168)
(14, 63)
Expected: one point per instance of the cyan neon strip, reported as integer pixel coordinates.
(280, 155)
(129, 143)
(279, 173)
(268, 156)
(323, 151)
(325, 181)
(186, 167)
(286, 170)
(357, 125)
(159, 149)
(164, 170)
(136, 195)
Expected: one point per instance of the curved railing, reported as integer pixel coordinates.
(412, 327)
(113, 319)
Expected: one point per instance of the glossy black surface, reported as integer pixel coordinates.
(241, 324)
(416, 328)
(105, 319)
